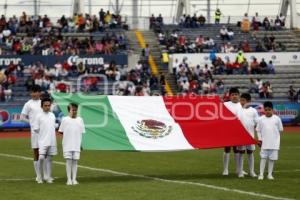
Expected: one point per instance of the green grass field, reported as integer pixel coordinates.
(173, 175)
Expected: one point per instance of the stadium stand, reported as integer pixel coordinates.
(189, 36)
(81, 37)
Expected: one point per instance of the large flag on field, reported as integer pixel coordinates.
(155, 123)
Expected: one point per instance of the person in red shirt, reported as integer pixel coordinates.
(181, 40)
(66, 65)
(194, 86)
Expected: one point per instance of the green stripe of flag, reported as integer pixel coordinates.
(103, 128)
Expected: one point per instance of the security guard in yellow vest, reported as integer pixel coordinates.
(165, 59)
(217, 16)
(240, 57)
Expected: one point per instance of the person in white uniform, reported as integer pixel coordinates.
(44, 127)
(248, 117)
(234, 106)
(268, 130)
(29, 114)
(72, 128)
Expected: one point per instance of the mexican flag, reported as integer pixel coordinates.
(155, 123)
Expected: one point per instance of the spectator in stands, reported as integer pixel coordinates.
(194, 21)
(152, 20)
(282, 19)
(292, 94)
(146, 52)
(162, 82)
(217, 16)
(153, 82)
(226, 48)
(245, 67)
(266, 42)
(254, 67)
(209, 42)
(161, 38)
(199, 44)
(253, 88)
(201, 20)
(281, 47)
(220, 86)
(271, 68)
(81, 69)
(159, 20)
(259, 47)
(226, 95)
(245, 46)
(266, 24)
(272, 42)
(205, 87)
(230, 33)
(165, 59)
(263, 67)
(2, 96)
(265, 90)
(224, 33)
(277, 23)
(7, 87)
(185, 85)
(259, 83)
(240, 57)
(245, 25)
(255, 24)
(269, 90)
(258, 19)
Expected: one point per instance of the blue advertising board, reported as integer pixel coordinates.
(10, 117)
(288, 112)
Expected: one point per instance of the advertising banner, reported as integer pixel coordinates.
(95, 60)
(278, 59)
(10, 117)
(288, 112)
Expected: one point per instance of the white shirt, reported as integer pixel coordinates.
(248, 117)
(223, 31)
(268, 131)
(31, 109)
(233, 107)
(45, 127)
(185, 85)
(72, 129)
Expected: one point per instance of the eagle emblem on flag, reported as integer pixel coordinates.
(150, 128)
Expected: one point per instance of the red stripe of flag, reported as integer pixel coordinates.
(203, 120)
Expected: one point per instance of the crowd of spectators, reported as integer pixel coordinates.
(263, 88)
(179, 43)
(40, 36)
(175, 41)
(63, 77)
(59, 45)
(8, 78)
(78, 23)
(240, 65)
(200, 80)
(196, 80)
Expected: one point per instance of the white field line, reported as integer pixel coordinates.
(31, 179)
(254, 194)
(291, 147)
(287, 171)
